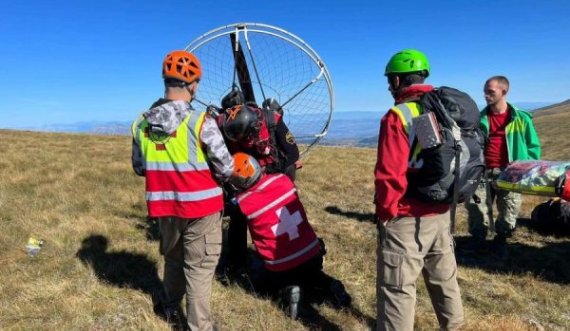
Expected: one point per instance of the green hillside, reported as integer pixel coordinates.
(100, 262)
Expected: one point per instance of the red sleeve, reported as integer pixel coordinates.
(391, 166)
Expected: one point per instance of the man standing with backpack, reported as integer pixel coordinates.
(511, 137)
(414, 235)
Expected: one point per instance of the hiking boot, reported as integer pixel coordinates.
(500, 245)
(501, 237)
(289, 298)
(228, 274)
(340, 298)
(176, 319)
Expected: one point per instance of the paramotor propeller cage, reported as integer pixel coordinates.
(265, 62)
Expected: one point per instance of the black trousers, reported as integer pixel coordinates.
(308, 275)
(237, 239)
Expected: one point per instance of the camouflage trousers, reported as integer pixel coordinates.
(480, 215)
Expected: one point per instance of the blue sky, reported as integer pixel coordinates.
(70, 61)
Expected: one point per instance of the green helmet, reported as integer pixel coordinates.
(408, 60)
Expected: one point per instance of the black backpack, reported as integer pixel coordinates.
(452, 170)
(552, 217)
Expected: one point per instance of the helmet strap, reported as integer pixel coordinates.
(191, 88)
(394, 84)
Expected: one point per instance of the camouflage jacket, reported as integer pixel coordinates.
(165, 116)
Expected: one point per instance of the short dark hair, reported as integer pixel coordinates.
(408, 79)
(414, 78)
(501, 80)
(172, 82)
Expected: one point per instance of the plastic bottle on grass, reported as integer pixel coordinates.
(34, 246)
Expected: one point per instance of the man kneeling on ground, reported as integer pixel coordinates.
(291, 252)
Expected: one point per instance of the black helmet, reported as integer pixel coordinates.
(233, 98)
(240, 122)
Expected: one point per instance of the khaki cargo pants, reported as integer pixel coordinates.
(408, 246)
(191, 250)
(480, 216)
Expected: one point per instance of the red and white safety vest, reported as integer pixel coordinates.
(178, 179)
(278, 223)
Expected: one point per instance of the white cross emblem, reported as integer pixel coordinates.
(288, 223)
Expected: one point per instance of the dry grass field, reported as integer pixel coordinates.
(100, 265)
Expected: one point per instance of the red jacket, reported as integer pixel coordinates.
(392, 165)
(278, 223)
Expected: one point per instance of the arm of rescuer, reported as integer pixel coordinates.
(219, 157)
(391, 166)
(137, 159)
(286, 144)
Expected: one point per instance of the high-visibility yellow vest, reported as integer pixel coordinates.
(178, 179)
(406, 112)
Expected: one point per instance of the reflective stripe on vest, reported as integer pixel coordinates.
(295, 255)
(260, 187)
(177, 170)
(406, 112)
(180, 196)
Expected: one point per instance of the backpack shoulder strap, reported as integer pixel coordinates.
(271, 119)
(457, 173)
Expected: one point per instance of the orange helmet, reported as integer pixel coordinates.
(182, 65)
(246, 171)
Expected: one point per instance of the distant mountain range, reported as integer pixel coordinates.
(107, 128)
(553, 109)
(352, 128)
(361, 128)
